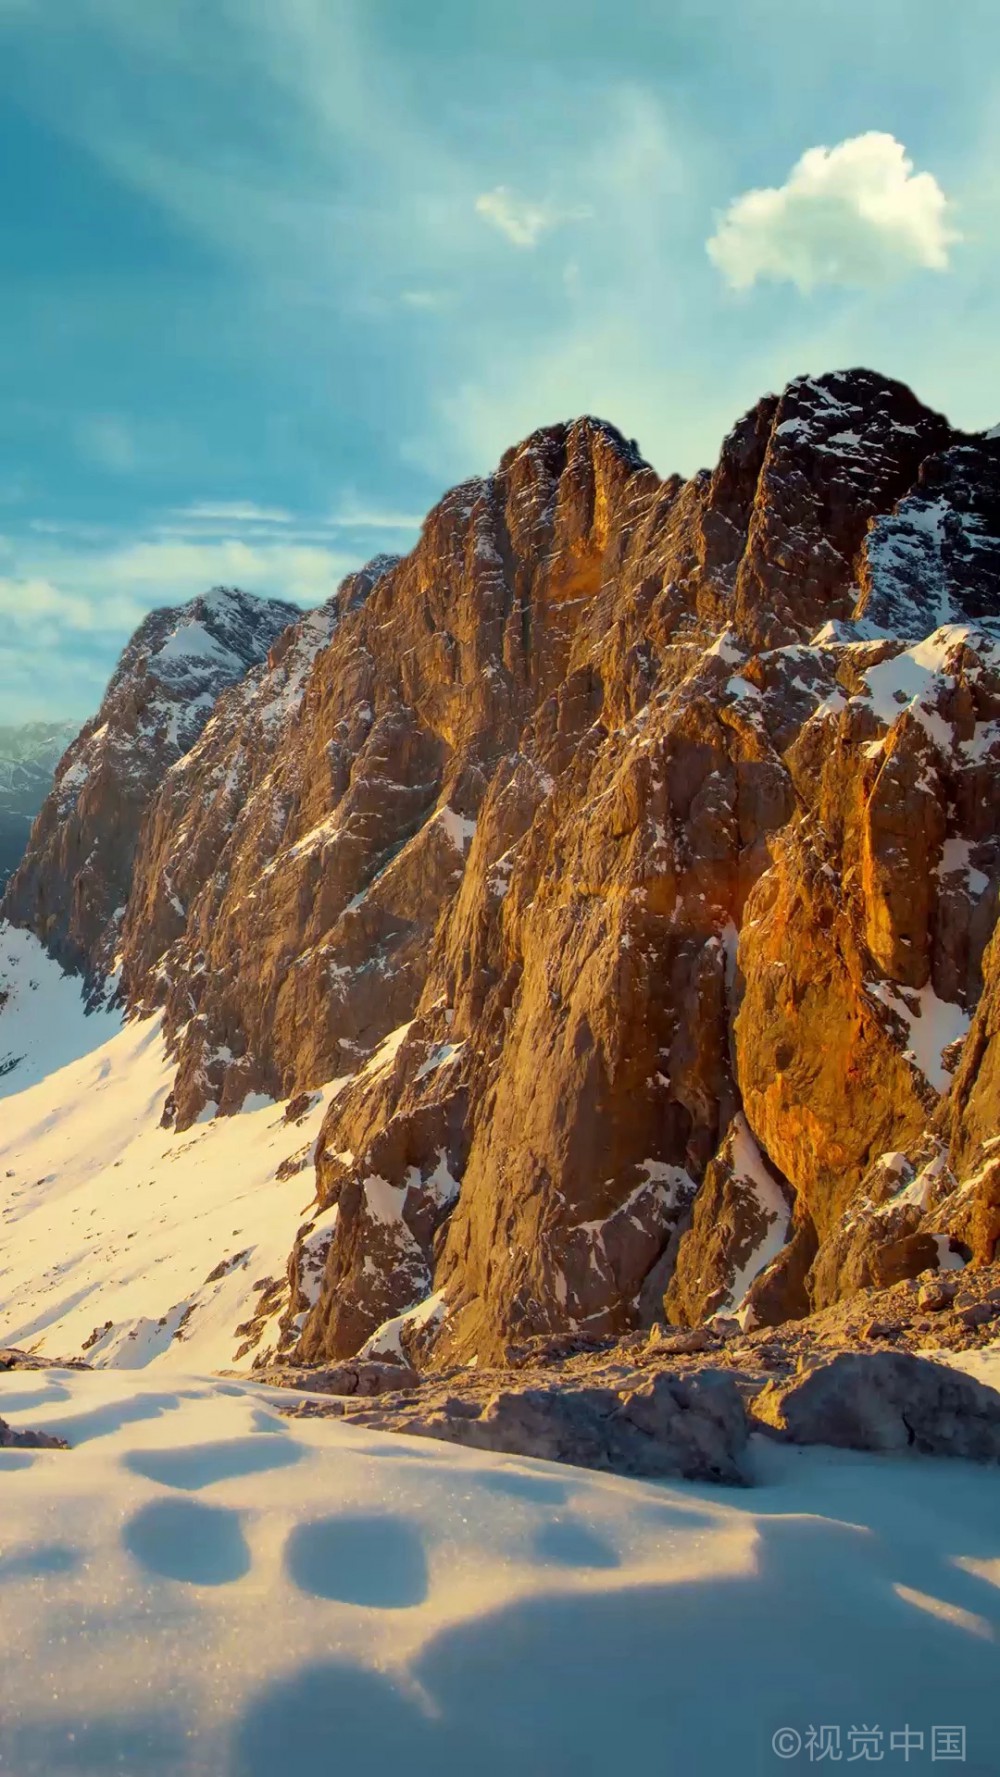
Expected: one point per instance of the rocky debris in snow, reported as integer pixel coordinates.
(978, 1314)
(885, 1401)
(361, 1379)
(12, 1358)
(550, 1348)
(28, 1440)
(932, 1297)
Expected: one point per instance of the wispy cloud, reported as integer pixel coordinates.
(373, 518)
(34, 603)
(431, 300)
(856, 214)
(109, 442)
(177, 569)
(234, 512)
(67, 610)
(523, 221)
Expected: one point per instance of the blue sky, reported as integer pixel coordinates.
(275, 273)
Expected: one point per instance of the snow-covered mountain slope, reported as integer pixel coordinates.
(200, 1588)
(118, 1238)
(44, 1024)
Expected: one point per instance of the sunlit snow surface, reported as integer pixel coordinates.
(43, 1022)
(200, 1586)
(203, 1588)
(111, 1227)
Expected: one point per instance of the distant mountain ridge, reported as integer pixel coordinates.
(627, 855)
(29, 754)
(72, 886)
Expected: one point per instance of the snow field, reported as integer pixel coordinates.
(201, 1586)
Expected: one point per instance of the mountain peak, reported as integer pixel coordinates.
(626, 853)
(159, 698)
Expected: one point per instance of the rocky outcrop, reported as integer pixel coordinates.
(886, 1401)
(740, 1223)
(74, 883)
(656, 1427)
(582, 1397)
(28, 1440)
(629, 854)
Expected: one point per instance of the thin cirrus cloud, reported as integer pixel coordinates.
(234, 512)
(371, 518)
(107, 591)
(520, 219)
(212, 514)
(857, 214)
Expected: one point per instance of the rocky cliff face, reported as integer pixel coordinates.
(629, 853)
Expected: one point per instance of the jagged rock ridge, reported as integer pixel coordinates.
(630, 851)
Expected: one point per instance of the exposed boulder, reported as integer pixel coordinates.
(885, 1401)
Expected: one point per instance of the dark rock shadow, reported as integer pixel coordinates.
(11, 1459)
(48, 1558)
(155, 1745)
(25, 1402)
(547, 1490)
(566, 1542)
(101, 1422)
(195, 1466)
(378, 1561)
(179, 1539)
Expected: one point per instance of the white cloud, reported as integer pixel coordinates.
(168, 572)
(432, 300)
(521, 220)
(30, 601)
(235, 512)
(107, 592)
(373, 518)
(66, 613)
(855, 214)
